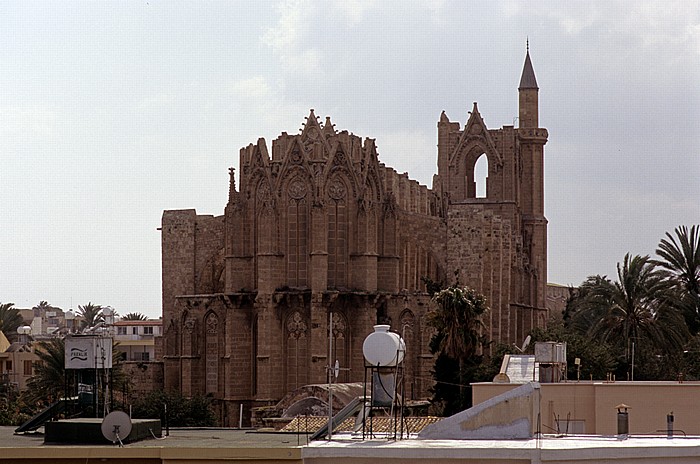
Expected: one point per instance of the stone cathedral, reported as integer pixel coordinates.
(319, 225)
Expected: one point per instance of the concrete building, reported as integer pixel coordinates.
(319, 226)
(136, 339)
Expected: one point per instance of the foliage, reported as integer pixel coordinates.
(134, 317)
(597, 358)
(680, 259)
(432, 287)
(91, 315)
(636, 314)
(10, 319)
(49, 380)
(456, 318)
(182, 411)
(13, 410)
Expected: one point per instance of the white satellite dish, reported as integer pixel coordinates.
(526, 342)
(116, 426)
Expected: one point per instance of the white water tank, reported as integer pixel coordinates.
(383, 348)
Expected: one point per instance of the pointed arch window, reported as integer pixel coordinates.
(337, 234)
(297, 233)
(481, 174)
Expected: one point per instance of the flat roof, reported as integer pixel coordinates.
(223, 445)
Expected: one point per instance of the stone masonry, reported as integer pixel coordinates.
(319, 226)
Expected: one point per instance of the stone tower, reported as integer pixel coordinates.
(318, 225)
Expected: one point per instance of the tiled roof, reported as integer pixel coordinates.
(310, 424)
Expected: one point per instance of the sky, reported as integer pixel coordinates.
(111, 112)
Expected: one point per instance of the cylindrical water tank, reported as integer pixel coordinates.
(383, 348)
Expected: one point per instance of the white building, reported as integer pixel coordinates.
(137, 338)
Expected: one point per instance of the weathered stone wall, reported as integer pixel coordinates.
(144, 377)
(320, 226)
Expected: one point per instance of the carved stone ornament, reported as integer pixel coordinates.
(339, 158)
(295, 157)
(263, 192)
(189, 324)
(212, 324)
(297, 189)
(296, 326)
(336, 190)
(338, 327)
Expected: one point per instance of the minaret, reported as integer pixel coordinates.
(528, 91)
(532, 140)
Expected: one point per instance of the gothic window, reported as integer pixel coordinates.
(265, 224)
(481, 173)
(408, 330)
(297, 233)
(341, 343)
(212, 352)
(337, 233)
(297, 350)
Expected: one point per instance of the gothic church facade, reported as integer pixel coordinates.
(320, 226)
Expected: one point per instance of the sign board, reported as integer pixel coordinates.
(88, 352)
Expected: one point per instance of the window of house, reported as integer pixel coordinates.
(148, 330)
(27, 367)
(135, 330)
(121, 330)
(8, 365)
(145, 356)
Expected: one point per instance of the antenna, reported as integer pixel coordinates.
(116, 425)
(526, 342)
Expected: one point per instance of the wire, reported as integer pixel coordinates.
(154, 435)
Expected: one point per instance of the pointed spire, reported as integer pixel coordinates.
(528, 80)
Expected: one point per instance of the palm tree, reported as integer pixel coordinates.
(49, 379)
(91, 315)
(10, 319)
(680, 258)
(636, 309)
(456, 319)
(135, 317)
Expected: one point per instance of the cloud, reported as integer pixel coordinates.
(290, 41)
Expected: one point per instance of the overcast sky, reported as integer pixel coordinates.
(111, 112)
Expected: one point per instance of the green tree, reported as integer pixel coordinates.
(680, 258)
(456, 318)
(49, 380)
(91, 315)
(135, 317)
(10, 320)
(635, 313)
(597, 358)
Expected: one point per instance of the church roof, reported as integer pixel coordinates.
(528, 80)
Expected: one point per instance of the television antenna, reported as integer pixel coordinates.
(525, 344)
(115, 426)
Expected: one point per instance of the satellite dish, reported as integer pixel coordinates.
(501, 377)
(526, 342)
(116, 426)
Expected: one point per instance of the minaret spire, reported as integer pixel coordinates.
(528, 90)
